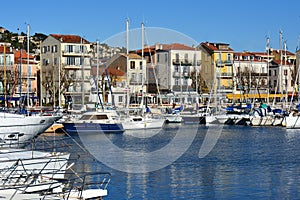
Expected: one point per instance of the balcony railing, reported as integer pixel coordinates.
(75, 67)
(183, 88)
(226, 74)
(176, 74)
(186, 74)
(31, 76)
(221, 63)
(8, 63)
(135, 82)
(185, 62)
(74, 53)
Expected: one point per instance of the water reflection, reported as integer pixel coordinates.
(246, 163)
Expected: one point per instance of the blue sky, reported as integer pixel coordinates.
(242, 24)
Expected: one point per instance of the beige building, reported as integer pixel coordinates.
(67, 57)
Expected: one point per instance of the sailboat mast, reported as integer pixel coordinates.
(28, 30)
(127, 60)
(41, 74)
(59, 96)
(5, 103)
(268, 66)
(97, 69)
(82, 72)
(280, 66)
(142, 102)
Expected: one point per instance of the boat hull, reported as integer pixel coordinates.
(93, 128)
(145, 124)
(19, 130)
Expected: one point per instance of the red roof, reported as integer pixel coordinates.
(114, 71)
(70, 38)
(167, 47)
(176, 46)
(110, 71)
(7, 50)
(283, 62)
(24, 57)
(283, 52)
(216, 46)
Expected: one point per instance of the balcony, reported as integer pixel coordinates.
(182, 88)
(71, 67)
(183, 62)
(135, 82)
(75, 53)
(186, 74)
(176, 74)
(224, 75)
(222, 63)
(30, 76)
(7, 63)
(224, 89)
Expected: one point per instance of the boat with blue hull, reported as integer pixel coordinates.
(95, 122)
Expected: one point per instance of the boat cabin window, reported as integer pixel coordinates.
(86, 117)
(96, 117)
(93, 117)
(137, 119)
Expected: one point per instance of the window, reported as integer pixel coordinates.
(275, 83)
(70, 60)
(186, 58)
(133, 77)
(141, 65)
(141, 77)
(176, 81)
(54, 48)
(120, 99)
(132, 65)
(55, 61)
(275, 73)
(285, 72)
(157, 57)
(176, 68)
(45, 61)
(228, 56)
(270, 73)
(177, 57)
(185, 81)
(69, 48)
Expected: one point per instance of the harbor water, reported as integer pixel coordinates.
(245, 163)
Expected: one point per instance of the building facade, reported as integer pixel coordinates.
(66, 70)
(217, 67)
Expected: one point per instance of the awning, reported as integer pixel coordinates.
(16, 98)
(252, 96)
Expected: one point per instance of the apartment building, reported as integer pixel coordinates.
(250, 73)
(66, 62)
(171, 70)
(27, 71)
(132, 78)
(217, 66)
